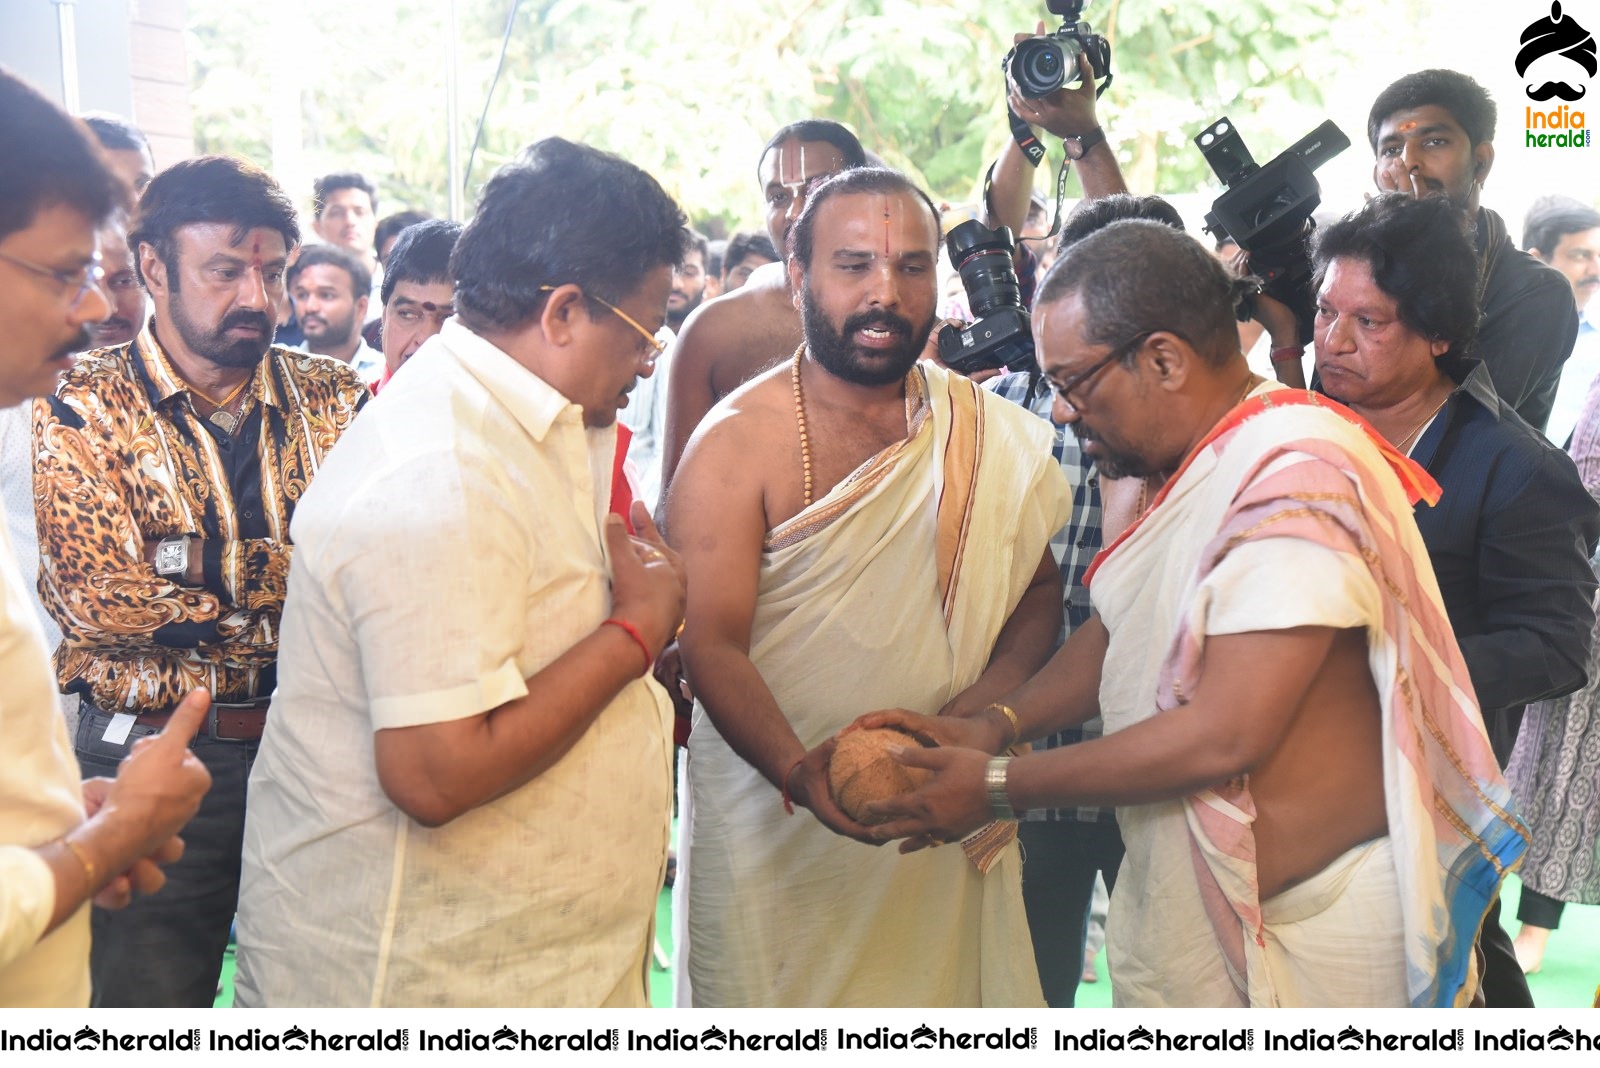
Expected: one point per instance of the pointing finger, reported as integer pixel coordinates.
(186, 719)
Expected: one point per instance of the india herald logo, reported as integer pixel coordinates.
(1554, 45)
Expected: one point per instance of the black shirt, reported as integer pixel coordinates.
(1528, 323)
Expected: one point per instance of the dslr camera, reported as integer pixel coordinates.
(1002, 335)
(1266, 210)
(1042, 64)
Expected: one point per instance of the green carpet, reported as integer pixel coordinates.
(1571, 964)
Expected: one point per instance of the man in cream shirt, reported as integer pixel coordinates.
(464, 794)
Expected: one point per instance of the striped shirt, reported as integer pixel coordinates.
(1074, 546)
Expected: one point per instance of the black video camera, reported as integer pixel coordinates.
(1266, 210)
(1042, 64)
(1002, 335)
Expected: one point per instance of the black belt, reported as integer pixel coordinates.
(235, 721)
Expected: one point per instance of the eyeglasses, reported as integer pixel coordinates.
(1078, 381)
(655, 347)
(78, 281)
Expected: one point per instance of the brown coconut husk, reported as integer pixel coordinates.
(861, 771)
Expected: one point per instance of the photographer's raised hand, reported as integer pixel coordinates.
(1067, 112)
(1071, 112)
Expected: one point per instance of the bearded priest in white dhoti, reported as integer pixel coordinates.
(1311, 810)
(861, 530)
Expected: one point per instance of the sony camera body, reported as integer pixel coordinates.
(1002, 333)
(1267, 209)
(1042, 64)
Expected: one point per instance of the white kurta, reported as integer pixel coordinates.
(40, 800)
(450, 548)
(782, 911)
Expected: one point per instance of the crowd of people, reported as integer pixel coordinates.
(379, 600)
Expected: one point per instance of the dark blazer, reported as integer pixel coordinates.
(1510, 541)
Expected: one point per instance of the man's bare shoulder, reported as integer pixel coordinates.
(740, 334)
(752, 415)
(734, 452)
(741, 316)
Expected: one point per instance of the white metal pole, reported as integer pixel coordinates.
(452, 87)
(67, 33)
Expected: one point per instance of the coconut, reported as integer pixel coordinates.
(862, 771)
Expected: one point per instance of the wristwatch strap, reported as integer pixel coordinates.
(1078, 146)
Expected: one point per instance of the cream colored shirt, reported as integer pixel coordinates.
(40, 800)
(450, 548)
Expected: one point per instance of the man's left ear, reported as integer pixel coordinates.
(1482, 161)
(1438, 346)
(1169, 356)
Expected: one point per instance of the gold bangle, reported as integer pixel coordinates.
(89, 872)
(1011, 718)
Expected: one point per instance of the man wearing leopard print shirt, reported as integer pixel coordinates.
(166, 475)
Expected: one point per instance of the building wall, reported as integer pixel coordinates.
(130, 61)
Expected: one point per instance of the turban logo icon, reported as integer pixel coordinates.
(1560, 35)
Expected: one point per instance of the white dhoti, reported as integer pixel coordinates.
(889, 592)
(1290, 515)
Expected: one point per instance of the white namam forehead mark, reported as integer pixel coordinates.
(792, 163)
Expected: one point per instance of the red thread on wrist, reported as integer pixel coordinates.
(788, 802)
(633, 632)
(1287, 353)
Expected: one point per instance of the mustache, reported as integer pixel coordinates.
(115, 322)
(1550, 90)
(880, 320)
(244, 317)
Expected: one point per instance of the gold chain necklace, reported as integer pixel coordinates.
(800, 417)
(224, 419)
(1400, 446)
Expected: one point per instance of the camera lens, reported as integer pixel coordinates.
(983, 259)
(1039, 66)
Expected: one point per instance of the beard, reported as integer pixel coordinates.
(1113, 463)
(333, 333)
(215, 345)
(833, 350)
(676, 316)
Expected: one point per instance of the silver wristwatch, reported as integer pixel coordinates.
(172, 557)
(994, 782)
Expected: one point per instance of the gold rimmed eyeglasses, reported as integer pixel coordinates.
(655, 347)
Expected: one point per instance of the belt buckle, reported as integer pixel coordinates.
(212, 718)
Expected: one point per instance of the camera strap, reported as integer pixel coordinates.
(1061, 178)
(1022, 134)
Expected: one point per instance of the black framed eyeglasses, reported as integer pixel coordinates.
(1065, 390)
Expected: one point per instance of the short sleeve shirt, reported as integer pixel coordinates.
(450, 549)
